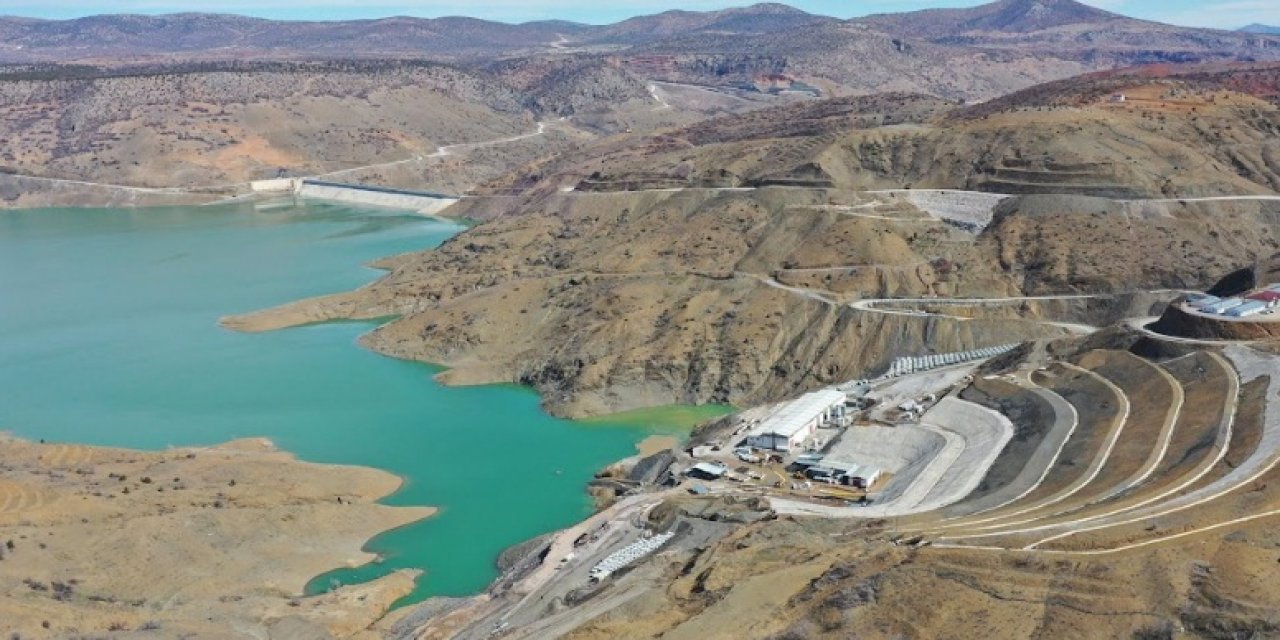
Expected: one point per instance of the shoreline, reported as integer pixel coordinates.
(348, 308)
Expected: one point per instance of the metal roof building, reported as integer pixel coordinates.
(793, 422)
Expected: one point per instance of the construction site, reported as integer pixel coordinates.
(1017, 453)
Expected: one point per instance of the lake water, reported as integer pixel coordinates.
(109, 336)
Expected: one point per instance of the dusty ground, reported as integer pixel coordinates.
(210, 542)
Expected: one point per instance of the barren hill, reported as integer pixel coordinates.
(717, 262)
(754, 19)
(215, 126)
(1196, 131)
(1007, 16)
(1261, 28)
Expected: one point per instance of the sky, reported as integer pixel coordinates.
(1228, 14)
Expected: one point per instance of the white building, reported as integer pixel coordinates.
(797, 420)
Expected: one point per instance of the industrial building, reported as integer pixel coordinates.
(794, 422)
(707, 471)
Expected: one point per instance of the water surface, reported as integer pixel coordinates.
(109, 336)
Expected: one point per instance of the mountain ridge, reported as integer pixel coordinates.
(1039, 27)
(1258, 27)
(1017, 16)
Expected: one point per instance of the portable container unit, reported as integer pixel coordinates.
(1271, 298)
(1222, 306)
(1200, 300)
(1250, 308)
(707, 471)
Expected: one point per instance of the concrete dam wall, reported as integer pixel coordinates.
(421, 201)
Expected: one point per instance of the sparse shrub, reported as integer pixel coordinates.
(1160, 631)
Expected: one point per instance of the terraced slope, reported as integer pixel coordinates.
(1196, 446)
(1101, 414)
(1161, 451)
(1042, 423)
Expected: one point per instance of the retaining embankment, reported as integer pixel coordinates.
(1180, 323)
(421, 201)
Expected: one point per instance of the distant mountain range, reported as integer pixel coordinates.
(1261, 28)
(972, 53)
(765, 28)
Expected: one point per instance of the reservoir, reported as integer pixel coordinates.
(109, 336)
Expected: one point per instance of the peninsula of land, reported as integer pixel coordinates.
(215, 542)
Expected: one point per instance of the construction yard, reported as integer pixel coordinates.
(998, 464)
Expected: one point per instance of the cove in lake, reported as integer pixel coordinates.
(109, 336)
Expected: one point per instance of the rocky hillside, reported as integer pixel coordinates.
(211, 126)
(606, 302)
(570, 85)
(717, 263)
(1197, 131)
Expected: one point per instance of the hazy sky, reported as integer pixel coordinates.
(1214, 13)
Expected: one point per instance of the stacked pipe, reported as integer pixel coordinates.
(629, 554)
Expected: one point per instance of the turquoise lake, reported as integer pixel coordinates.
(109, 336)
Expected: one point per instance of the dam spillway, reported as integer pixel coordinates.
(421, 201)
